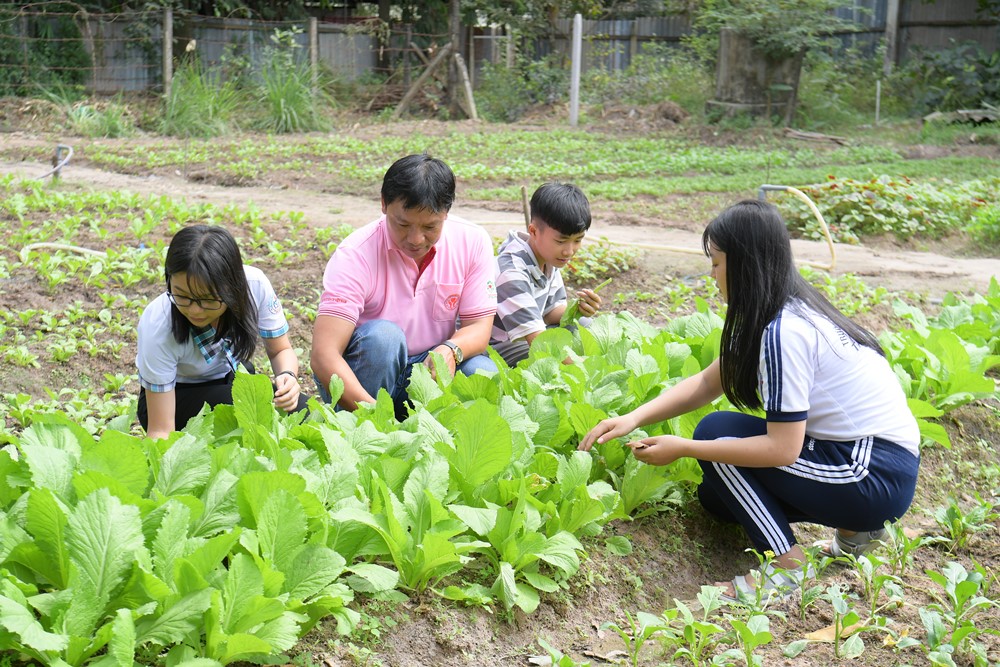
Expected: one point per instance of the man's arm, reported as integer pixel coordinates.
(472, 337)
(330, 338)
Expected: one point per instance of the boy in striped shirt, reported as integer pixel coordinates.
(531, 295)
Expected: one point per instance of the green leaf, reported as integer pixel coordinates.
(120, 459)
(171, 539)
(103, 538)
(121, 647)
(20, 621)
(482, 442)
(253, 399)
(371, 578)
(315, 567)
(480, 520)
(175, 622)
(184, 468)
(618, 545)
(46, 522)
(281, 527)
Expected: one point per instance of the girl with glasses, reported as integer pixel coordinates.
(193, 337)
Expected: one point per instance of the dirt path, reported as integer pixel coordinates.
(922, 272)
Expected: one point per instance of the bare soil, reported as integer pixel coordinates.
(675, 552)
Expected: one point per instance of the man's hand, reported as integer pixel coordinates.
(449, 358)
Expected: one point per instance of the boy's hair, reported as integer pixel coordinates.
(761, 279)
(421, 181)
(561, 206)
(209, 256)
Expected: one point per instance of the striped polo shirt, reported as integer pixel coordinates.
(525, 293)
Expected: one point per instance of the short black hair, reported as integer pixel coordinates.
(210, 256)
(421, 181)
(561, 206)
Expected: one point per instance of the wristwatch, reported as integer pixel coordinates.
(456, 350)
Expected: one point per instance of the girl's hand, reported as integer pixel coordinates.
(589, 302)
(608, 429)
(657, 451)
(286, 392)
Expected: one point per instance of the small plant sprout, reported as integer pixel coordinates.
(637, 631)
(843, 620)
(959, 526)
(874, 583)
(698, 636)
(554, 657)
(900, 547)
(949, 621)
(751, 634)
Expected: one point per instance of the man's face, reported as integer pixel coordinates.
(413, 230)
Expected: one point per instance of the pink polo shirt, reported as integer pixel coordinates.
(369, 278)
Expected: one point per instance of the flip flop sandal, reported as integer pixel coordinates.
(777, 584)
(855, 545)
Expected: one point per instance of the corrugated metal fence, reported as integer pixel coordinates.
(112, 53)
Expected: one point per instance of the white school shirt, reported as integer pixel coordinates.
(163, 362)
(811, 369)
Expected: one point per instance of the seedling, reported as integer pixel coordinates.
(960, 526)
(752, 634)
(843, 618)
(638, 631)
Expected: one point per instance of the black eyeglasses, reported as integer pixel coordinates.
(187, 301)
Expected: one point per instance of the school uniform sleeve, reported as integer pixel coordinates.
(156, 357)
(479, 294)
(271, 321)
(518, 312)
(788, 362)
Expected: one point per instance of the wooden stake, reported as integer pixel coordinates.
(421, 80)
(463, 73)
(525, 207)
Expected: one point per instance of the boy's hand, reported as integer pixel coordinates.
(590, 302)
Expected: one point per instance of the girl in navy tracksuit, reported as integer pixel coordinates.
(837, 446)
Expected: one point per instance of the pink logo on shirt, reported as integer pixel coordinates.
(451, 303)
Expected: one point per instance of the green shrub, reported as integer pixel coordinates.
(962, 76)
(658, 73)
(884, 205)
(201, 103)
(837, 89)
(505, 94)
(286, 88)
(985, 226)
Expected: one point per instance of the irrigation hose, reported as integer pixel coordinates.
(698, 251)
(62, 163)
(26, 250)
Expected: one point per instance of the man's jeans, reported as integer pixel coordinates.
(377, 355)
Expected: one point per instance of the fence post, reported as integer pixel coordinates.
(406, 56)
(891, 37)
(574, 77)
(168, 50)
(314, 54)
(510, 46)
(22, 22)
(633, 42)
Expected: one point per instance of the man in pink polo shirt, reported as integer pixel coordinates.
(394, 290)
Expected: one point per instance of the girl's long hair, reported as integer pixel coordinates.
(210, 257)
(761, 279)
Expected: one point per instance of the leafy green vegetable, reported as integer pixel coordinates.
(572, 312)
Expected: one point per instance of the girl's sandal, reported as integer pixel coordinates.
(855, 545)
(777, 584)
